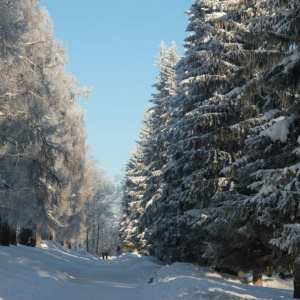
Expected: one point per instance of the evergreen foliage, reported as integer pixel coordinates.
(134, 190)
(207, 127)
(157, 142)
(221, 168)
(265, 176)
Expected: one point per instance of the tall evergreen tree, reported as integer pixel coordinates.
(157, 142)
(134, 190)
(265, 177)
(204, 137)
(229, 176)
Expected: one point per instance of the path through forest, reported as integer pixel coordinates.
(52, 272)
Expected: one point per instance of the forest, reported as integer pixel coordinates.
(214, 178)
(51, 187)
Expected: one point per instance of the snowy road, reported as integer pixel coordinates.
(110, 280)
(56, 273)
(53, 272)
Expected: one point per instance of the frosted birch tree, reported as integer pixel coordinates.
(42, 126)
(98, 208)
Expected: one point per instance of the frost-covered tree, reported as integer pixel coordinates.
(275, 186)
(228, 188)
(15, 20)
(98, 208)
(157, 142)
(265, 177)
(14, 23)
(206, 127)
(134, 190)
(42, 132)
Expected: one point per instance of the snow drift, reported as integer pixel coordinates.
(54, 272)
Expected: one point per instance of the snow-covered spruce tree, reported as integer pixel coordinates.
(42, 127)
(203, 135)
(134, 187)
(134, 190)
(157, 142)
(266, 177)
(284, 78)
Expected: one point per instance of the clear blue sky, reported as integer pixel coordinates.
(112, 47)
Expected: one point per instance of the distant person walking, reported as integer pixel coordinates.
(104, 254)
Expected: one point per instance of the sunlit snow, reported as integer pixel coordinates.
(279, 130)
(54, 272)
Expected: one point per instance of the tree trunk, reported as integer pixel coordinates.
(87, 240)
(241, 277)
(297, 281)
(93, 237)
(257, 278)
(67, 244)
(13, 237)
(32, 241)
(37, 236)
(38, 240)
(98, 236)
(4, 234)
(240, 274)
(53, 236)
(25, 237)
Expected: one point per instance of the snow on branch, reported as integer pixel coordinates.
(289, 240)
(279, 130)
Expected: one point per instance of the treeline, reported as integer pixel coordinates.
(48, 183)
(214, 179)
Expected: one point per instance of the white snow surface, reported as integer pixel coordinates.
(54, 272)
(279, 130)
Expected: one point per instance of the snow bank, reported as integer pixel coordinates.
(189, 282)
(54, 272)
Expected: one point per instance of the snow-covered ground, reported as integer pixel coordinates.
(54, 272)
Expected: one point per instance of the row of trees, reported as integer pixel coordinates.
(215, 176)
(47, 181)
(102, 211)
